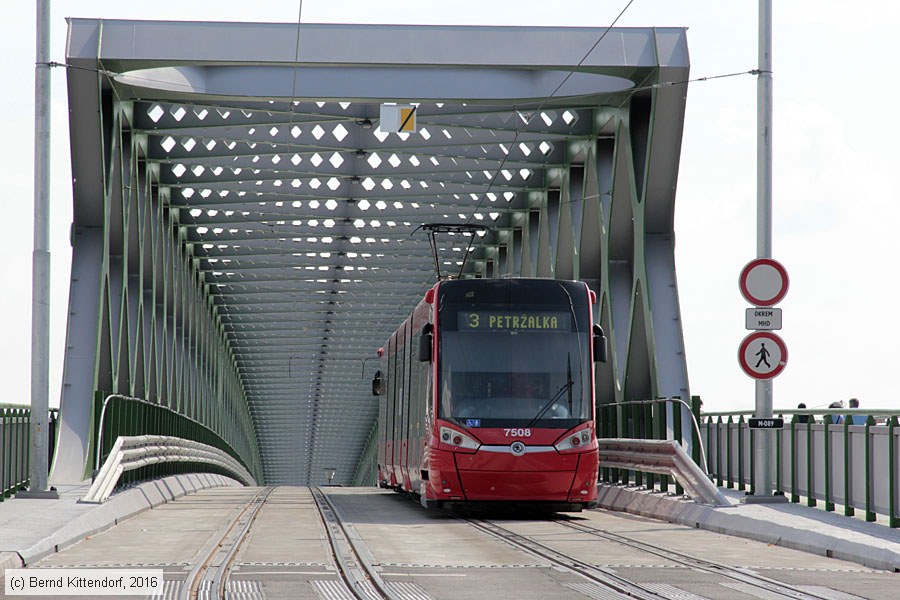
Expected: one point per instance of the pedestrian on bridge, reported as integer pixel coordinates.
(856, 419)
(837, 419)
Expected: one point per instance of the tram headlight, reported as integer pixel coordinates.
(575, 440)
(458, 439)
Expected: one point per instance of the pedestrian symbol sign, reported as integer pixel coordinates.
(763, 355)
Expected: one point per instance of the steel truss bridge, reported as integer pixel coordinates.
(244, 233)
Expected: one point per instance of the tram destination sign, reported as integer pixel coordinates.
(763, 319)
(500, 320)
(769, 423)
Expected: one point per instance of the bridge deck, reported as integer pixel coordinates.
(437, 556)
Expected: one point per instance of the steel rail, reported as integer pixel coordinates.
(613, 583)
(771, 586)
(357, 573)
(244, 517)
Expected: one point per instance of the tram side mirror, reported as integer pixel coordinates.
(377, 383)
(599, 344)
(425, 343)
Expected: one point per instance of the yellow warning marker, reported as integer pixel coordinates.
(397, 118)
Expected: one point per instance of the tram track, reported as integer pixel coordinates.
(359, 578)
(616, 586)
(739, 575)
(209, 576)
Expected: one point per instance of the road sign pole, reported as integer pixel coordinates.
(763, 479)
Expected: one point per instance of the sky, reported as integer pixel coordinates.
(836, 202)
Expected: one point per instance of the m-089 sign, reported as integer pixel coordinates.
(485, 320)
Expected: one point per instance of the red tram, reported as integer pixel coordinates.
(487, 395)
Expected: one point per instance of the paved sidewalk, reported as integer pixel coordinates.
(790, 525)
(32, 528)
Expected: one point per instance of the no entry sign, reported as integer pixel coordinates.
(764, 282)
(763, 355)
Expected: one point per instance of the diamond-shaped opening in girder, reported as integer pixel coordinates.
(344, 105)
(296, 131)
(333, 183)
(526, 148)
(273, 131)
(508, 196)
(569, 117)
(187, 192)
(230, 144)
(394, 160)
(507, 174)
(447, 134)
(339, 132)
(296, 183)
(313, 204)
(168, 143)
(202, 230)
(380, 135)
(336, 160)
(548, 117)
(188, 144)
(545, 148)
(375, 223)
(255, 159)
(196, 212)
(359, 223)
(223, 112)
(200, 112)
(425, 133)
(316, 159)
(374, 160)
(381, 205)
(387, 184)
(318, 132)
(179, 170)
(296, 203)
(198, 170)
(435, 161)
(296, 159)
(405, 184)
(276, 159)
(277, 183)
(494, 216)
(209, 144)
(491, 196)
(251, 130)
(313, 222)
(525, 173)
(314, 183)
(487, 174)
(155, 113)
(424, 184)
(177, 112)
(363, 204)
(414, 160)
(328, 223)
(331, 204)
(368, 184)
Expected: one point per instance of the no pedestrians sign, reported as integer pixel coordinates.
(763, 355)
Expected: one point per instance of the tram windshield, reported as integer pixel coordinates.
(527, 367)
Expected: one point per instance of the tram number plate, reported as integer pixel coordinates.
(773, 423)
(517, 432)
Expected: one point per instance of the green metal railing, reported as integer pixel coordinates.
(817, 457)
(116, 415)
(658, 419)
(15, 437)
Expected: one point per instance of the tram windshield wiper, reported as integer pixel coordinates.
(567, 387)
